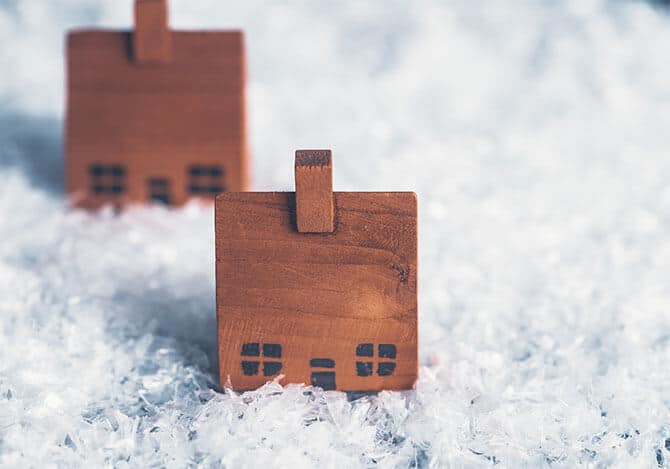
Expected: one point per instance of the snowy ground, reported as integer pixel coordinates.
(537, 135)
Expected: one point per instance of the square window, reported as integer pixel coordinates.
(252, 367)
(206, 180)
(384, 368)
(109, 179)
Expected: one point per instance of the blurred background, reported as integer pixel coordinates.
(536, 135)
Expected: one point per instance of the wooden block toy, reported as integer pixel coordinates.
(319, 287)
(154, 115)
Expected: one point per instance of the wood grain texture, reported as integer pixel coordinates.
(336, 309)
(170, 131)
(152, 41)
(314, 191)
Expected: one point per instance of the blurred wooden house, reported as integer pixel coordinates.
(154, 114)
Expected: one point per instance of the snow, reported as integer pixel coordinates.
(536, 135)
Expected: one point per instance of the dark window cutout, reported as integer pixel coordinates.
(272, 350)
(364, 368)
(107, 179)
(250, 368)
(322, 362)
(384, 368)
(324, 379)
(387, 351)
(206, 180)
(253, 349)
(365, 350)
(159, 190)
(271, 368)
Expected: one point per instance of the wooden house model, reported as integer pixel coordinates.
(319, 287)
(154, 114)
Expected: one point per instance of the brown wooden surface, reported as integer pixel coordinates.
(318, 296)
(152, 42)
(155, 121)
(314, 191)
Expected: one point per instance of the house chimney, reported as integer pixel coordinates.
(314, 191)
(152, 41)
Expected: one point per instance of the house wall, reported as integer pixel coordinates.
(318, 296)
(155, 121)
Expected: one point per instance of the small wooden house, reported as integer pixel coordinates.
(319, 287)
(154, 114)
